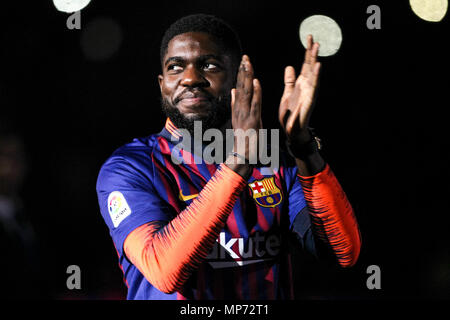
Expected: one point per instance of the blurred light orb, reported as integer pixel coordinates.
(325, 31)
(429, 10)
(101, 38)
(70, 6)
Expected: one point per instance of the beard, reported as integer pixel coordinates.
(217, 115)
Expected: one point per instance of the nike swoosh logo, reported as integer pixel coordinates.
(186, 198)
(229, 264)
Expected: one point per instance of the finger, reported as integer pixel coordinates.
(256, 99)
(247, 91)
(289, 76)
(317, 68)
(289, 80)
(311, 77)
(314, 53)
(315, 75)
(309, 45)
(310, 41)
(245, 72)
(306, 67)
(240, 75)
(244, 86)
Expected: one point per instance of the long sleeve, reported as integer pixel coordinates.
(332, 215)
(167, 254)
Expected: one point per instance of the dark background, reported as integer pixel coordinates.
(74, 96)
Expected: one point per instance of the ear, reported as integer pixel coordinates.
(160, 81)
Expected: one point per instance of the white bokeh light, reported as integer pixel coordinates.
(70, 6)
(325, 31)
(429, 10)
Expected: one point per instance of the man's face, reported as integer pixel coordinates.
(196, 81)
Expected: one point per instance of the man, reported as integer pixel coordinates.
(218, 230)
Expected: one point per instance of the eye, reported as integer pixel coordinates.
(174, 67)
(211, 66)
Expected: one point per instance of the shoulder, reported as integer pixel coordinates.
(137, 151)
(132, 160)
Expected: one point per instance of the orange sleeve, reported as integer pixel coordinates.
(167, 254)
(332, 215)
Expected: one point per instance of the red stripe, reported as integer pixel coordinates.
(170, 196)
(262, 220)
(232, 225)
(187, 157)
(189, 162)
(277, 210)
(211, 168)
(173, 200)
(192, 189)
(281, 172)
(257, 174)
(165, 149)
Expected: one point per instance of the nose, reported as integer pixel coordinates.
(192, 77)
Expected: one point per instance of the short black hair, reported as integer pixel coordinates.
(216, 27)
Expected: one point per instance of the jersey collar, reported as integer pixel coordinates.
(170, 131)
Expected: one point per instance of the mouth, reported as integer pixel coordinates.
(192, 103)
(191, 108)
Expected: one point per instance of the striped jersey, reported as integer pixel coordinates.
(140, 183)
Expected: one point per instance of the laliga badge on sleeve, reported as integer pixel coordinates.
(118, 207)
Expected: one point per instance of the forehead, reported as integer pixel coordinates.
(193, 44)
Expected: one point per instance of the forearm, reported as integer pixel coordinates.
(331, 213)
(244, 170)
(167, 255)
(310, 164)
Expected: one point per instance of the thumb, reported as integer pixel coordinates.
(289, 80)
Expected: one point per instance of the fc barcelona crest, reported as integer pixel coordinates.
(265, 192)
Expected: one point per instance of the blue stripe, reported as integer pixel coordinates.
(243, 232)
(202, 168)
(196, 181)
